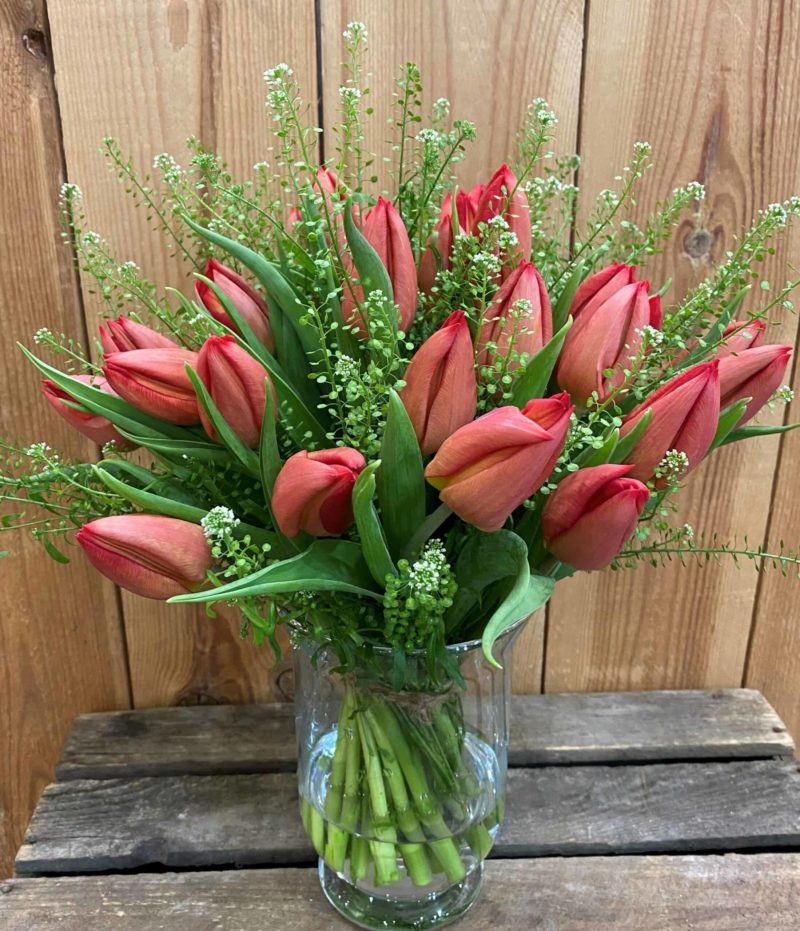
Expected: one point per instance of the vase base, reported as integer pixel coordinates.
(386, 912)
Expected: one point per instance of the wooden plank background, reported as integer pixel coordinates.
(150, 73)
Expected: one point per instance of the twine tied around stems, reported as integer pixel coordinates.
(420, 704)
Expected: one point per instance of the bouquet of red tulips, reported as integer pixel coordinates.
(394, 420)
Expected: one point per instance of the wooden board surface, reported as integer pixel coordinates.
(710, 893)
(544, 729)
(86, 825)
(722, 112)
(51, 631)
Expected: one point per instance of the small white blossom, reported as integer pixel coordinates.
(218, 522)
(673, 465)
(349, 94)
(276, 77)
(696, 190)
(90, 238)
(426, 573)
(784, 395)
(355, 31)
(428, 136)
(42, 335)
(70, 191)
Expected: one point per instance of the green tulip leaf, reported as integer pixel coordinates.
(327, 565)
(590, 456)
(728, 420)
(373, 539)
(400, 480)
(532, 381)
(562, 305)
(626, 445)
(224, 430)
(170, 448)
(372, 273)
(270, 462)
(750, 433)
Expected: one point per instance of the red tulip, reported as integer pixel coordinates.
(384, 230)
(124, 334)
(606, 334)
(756, 374)
(600, 286)
(155, 381)
(97, 428)
(313, 491)
(739, 336)
(438, 254)
(503, 197)
(236, 383)
(250, 304)
(441, 391)
(488, 467)
(147, 554)
(293, 217)
(685, 412)
(505, 329)
(592, 514)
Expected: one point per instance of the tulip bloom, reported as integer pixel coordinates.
(236, 383)
(506, 329)
(149, 555)
(606, 334)
(592, 514)
(438, 253)
(600, 286)
(124, 334)
(685, 413)
(313, 491)
(155, 381)
(384, 230)
(250, 304)
(490, 466)
(756, 374)
(497, 199)
(97, 428)
(441, 392)
(739, 336)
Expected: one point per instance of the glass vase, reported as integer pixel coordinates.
(401, 773)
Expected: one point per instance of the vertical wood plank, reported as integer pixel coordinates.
(170, 69)
(61, 645)
(721, 112)
(490, 58)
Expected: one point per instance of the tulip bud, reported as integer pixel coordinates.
(97, 428)
(510, 331)
(606, 334)
(441, 391)
(739, 336)
(124, 334)
(756, 374)
(384, 230)
(600, 286)
(490, 466)
(685, 413)
(149, 555)
(155, 381)
(313, 491)
(592, 514)
(502, 197)
(235, 381)
(250, 304)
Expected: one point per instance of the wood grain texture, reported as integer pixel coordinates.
(486, 57)
(158, 72)
(87, 825)
(737, 893)
(544, 729)
(56, 622)
(722, 113)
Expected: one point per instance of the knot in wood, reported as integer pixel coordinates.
(697, 244)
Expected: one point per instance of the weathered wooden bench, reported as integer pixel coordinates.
(657, 810)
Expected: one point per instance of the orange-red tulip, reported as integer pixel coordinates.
(756, 374)
(441, 391)
(384, 230)
(236, 383)
(149, 555)
(608, 321)
(502, 197)
(488, 467)
(97, 428)
(739, 336)
(592, 514)
(685, 413)
(438, 254)
(506, 329)
(313, 491)
(124, 334)
(250, 304)
(155, 381)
